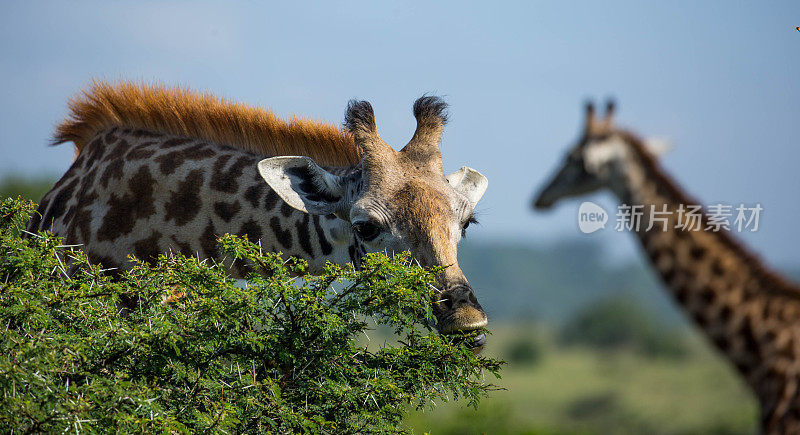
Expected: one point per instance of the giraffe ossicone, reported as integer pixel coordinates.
(163, 169)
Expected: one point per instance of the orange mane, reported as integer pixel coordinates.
(181, 112)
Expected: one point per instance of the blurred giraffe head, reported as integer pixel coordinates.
(595, 161)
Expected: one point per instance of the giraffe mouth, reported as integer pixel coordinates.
(478, 342)
(475, 343)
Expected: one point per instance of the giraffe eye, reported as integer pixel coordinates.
(471, 220)
(366, 230)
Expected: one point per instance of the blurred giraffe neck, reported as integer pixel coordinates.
(750, 314)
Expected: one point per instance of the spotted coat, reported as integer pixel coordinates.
(142, 193)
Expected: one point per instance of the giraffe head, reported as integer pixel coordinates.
(596, 161)
(398, 201)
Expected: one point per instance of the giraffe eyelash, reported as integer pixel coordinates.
(469, 221)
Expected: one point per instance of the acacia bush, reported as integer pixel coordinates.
(279, 355)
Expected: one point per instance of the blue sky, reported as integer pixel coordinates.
(719, 79)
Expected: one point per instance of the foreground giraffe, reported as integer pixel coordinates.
(162, 170)
(750, 313)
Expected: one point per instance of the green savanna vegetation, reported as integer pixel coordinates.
(82, 351)
(580, 389)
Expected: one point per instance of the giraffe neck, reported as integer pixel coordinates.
(750, 314)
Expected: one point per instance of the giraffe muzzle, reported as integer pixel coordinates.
(542, 202)
(458, 311)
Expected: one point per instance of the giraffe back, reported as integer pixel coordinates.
(131, 191)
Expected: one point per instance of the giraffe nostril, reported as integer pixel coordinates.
(472, 298)
(448, 302)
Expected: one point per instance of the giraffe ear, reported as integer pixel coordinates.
(303, 184)
(469, 183)
(657, 146)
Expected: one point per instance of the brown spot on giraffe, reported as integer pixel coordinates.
(113, 170)
(170, 161)
(697, 252)
(110, 138)
(303, 235)
(59, 203)
(227, 180)
(324, 245)
(184, 204)
(284, 237)
(115, 150)
(95, 149)
(80, 227)
(147, 249)
(175, 142)
(270, 200)
(111, 264)
(227, 210)
(208, 241)
(251, 229)
(183, 247)
(142, 151)
(125, 210)
(253, 194)
(286, 210)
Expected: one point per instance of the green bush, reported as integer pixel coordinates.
(524, 351)
(276, 356)
(620, 322)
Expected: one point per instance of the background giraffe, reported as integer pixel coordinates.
(750, 313)
(163, 170)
